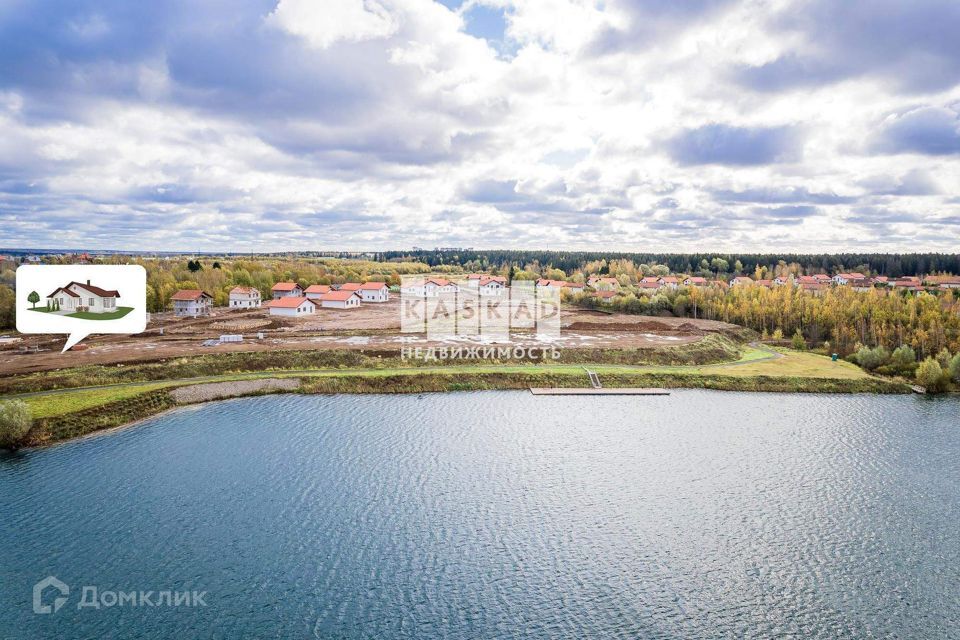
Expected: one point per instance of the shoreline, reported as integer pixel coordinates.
(128, 412)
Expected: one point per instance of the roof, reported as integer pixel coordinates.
(440, 282)
(372, 286)
(103, 293)
(247, 290)
(606, 294)
(290, 302)
(351, 286)
(65, 290)
(186, 295)
(338, 295)
(284, 286)
(697, 279)
(669, 279)
(317, 288)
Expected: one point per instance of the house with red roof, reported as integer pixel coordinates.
(603, 284)
(286, 290)
(741, 281)
(847, 278)
(695, 281)
(669, 282)
(191, 303)
(314, 291)
(373, 292)
(77, 296)
(340, 300)
(244, 298)
(605, 295)
(428, 287)
(943, 282)
(291, 306)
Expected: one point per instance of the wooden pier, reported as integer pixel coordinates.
(604, 391)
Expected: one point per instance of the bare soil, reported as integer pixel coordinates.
(370, 327)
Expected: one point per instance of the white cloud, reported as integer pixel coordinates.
(385, 124)
(324, 23)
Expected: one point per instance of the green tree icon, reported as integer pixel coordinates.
(33, 298)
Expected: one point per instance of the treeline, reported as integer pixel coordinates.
(838, 319)
(886, 264)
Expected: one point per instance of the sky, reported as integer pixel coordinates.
(629, 125)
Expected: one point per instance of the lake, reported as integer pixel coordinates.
(496, 514)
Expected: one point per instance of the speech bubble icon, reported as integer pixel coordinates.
(81, 300)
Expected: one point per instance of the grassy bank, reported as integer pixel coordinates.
(70, 413)
(710, 349)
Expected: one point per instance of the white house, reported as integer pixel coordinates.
(314, 291)
(340, 300)
(740, 281)
(286, 290)
(192, 303)
(431, 288)
(669, 282)
(244, 298)
(603, 284)
(84, 297)
(845, 278)
(292, 306)
(695, 281)
(374, 292)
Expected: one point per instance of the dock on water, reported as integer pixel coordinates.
(604, 391)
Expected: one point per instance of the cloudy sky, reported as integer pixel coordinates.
(809, 125)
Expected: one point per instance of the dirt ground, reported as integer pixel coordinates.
(371, 327)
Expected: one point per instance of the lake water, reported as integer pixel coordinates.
(498, 514)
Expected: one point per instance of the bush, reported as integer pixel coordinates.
(930, 375)
(954, 368)
(903, 358)
(870, 359)
(15, 422)
(797, 341)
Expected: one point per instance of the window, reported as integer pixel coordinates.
(89, 302)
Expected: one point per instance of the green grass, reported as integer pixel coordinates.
(59, 404)
(112, 315)
(755, 370)
(40, 310)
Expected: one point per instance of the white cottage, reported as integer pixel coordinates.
(191, 303)
(290, 306)
(286, 290)
(244, 298)
(340, 300)
(77, 296)
(374, 292)
(314, 291)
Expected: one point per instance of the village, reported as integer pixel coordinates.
(290, 299)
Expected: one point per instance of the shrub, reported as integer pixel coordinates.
(797, 341)
(943, 359)
(903, 357)
(954, 368)
(870, 359)
(15, 422)
(930, 375)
